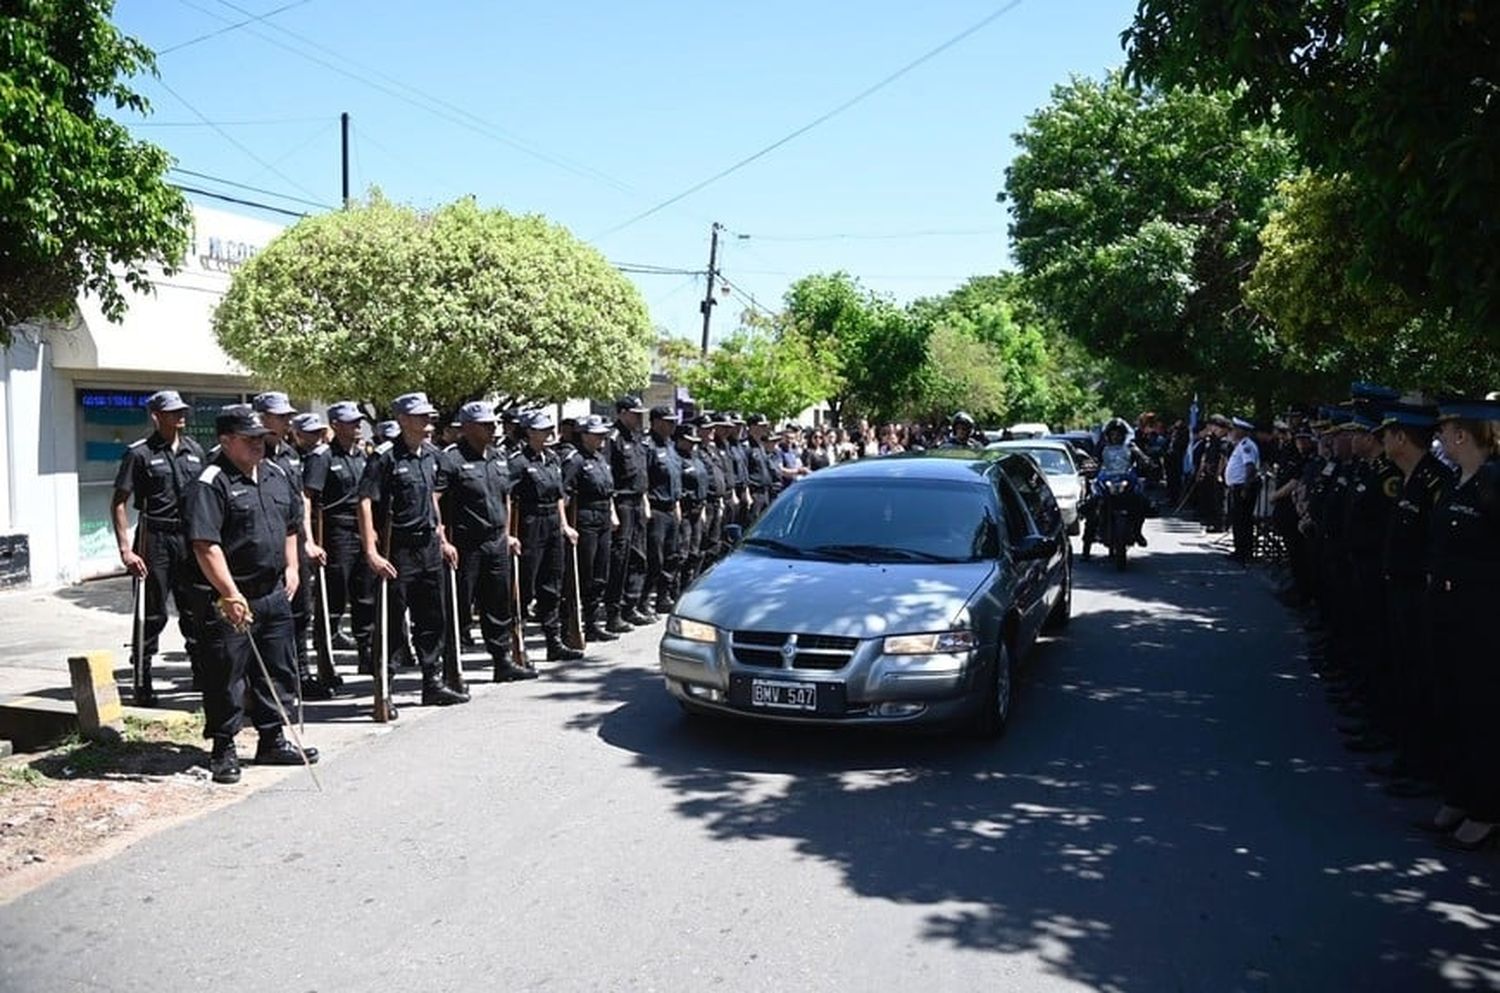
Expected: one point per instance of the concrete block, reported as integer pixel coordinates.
(95, 696)
(6, 749)
(33, 722)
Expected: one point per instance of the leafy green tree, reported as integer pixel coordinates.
(77, 194)
(379, 299)
(1398, 99)
(757, 369)
(961, 372)
(867, 343)
(1339, 327)
(1135, 221)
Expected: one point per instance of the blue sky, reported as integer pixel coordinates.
(592, 112)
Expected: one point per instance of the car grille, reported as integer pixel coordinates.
(814, 651)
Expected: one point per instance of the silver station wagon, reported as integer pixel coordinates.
(896, 591)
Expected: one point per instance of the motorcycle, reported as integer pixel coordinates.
(1112, 493)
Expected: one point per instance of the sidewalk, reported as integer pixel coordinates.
(43, 627)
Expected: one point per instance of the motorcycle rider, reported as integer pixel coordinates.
(961, 433)
(1118, 456)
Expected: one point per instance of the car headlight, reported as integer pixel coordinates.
(681, 627)
(940, 643)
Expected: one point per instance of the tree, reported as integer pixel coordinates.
(962, 372)
(1135, 215)
(78, 195)
(1399, 100)
(872, 351)
(379, 299)
(1338, 327)
(759, 370)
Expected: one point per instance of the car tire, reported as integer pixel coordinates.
(999, 696)
(1062, 610)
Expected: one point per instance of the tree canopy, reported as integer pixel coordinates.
(379, 299)
(761, 370)
(1399, 100)
(78, 195)
(1135, 222)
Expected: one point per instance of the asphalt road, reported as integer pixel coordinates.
(1171, 810)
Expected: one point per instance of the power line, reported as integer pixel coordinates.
(857, 98)
(232, 140)
(223, 124)
(885, 236)
(328, 125)
(252, 189)
(214, 34)
(422, 100)
(238, 200)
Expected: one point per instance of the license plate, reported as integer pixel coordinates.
(778, 695)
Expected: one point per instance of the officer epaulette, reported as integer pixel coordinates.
(137, 443)
(384, 446)
(319, 448)
(209, 474)
(449, 448)
(274, 465)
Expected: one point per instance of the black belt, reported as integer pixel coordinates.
(759, 489)
(163, 527)
(664, 505)
(549, 511)
(411, 539)
(340, 520)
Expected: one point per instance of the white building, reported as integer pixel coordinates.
(72, 398)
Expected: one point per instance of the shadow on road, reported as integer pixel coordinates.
(1167, 811)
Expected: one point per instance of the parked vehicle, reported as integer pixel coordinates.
(1028, 430)
(1056, 460)
(896, 591)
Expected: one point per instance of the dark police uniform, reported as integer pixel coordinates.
(664, 472)
(738, 457)
(626, 454)
(290, 460)
(719, 481)
(696, 479)
(250, 518)
(331, 475)
(1463, 589)
(1374, 487)
(761, 476)
(537, 483)
(590, 485)
(400, 483)
(474, 487)
(157, 478)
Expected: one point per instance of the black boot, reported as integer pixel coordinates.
(618, 625)
(224, 763)
(506, 671)
(342, 642)
(558, 652)
(314, 688)
(597, 632)
(436, 694)
(274, 749)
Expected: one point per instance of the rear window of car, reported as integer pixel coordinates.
(1054, 461)
(1035, 492)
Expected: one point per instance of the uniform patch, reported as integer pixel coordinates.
(210, 474)
(384, 446)
(1392, 487)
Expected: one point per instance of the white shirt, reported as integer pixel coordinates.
(1245, 454)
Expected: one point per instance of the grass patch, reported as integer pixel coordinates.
(13, 777)
(146, 748)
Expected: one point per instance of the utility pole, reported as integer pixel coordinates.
(707, 306)
(344, 128)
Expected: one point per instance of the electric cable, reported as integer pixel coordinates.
(233, 27)
(252, 189)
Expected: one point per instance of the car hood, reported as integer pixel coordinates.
(1064, 485)
(749, 590)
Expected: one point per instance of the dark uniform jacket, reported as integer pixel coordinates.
(626, 453)
(249, 517)
(664, 472)
(1374, 488)
(331, 475)
(739, 464)
(590, 484)
(475, 492)
(400, 483)
(157, 478)
(1465, 549)
(717, 464)
(1404, 555)
(761, 474)
(290, 461)
(695, 481)
(537, 481)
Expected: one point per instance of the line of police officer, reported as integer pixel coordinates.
(289, 505)
(1390, 512)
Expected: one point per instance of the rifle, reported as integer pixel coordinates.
(572, 613)
(518, 625)
(453, 666)
(138, 625)
(324, 646)
(383, 712)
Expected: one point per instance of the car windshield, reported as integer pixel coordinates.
(1053, 461)
(908, 520)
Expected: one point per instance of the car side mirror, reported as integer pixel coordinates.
(733, 533)
(1034, 547)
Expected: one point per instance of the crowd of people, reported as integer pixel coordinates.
(296, 521)
(1388, 512)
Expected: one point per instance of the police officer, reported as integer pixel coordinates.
(1463, 588)
(961, 433)
(1242, 476)
(567, 439)
(155, 473)
(696, 481)
(276, 412)
(243, 519)
(626, 454)
(760, 470)
(473, 483)
(719, 480)
(330, 477)
(732, 441)
(590, 487)
(537, 483)
(398, 496)
(1210, 473)
(663, 498)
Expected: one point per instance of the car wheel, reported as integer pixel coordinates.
(999, 695)
(1062, 610)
